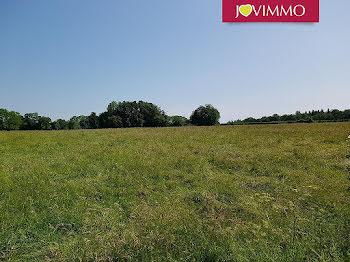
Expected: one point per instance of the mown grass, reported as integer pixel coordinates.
(232, 193)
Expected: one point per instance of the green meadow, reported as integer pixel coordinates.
(224, 193)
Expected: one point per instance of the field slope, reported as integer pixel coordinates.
(234, 193)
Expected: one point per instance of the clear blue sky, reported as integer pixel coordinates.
(62, 58)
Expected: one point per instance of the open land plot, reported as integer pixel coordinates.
(234, 193)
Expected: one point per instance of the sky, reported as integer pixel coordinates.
(62, 58)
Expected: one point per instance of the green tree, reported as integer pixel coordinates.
(60, 124)
(74, 123)
(14, 121)
(83, 121)
(103, 119)
(114, 121)
(178, 121)
(44, 123)
(336, 114)
(205, 116)
(10, 120)
(30, 121)
(152, 115)
(290, 118)
(274, 118)
(112, 107)
(132, 114)
(93, 121)
(250, 120)
(346, 114)
(3, 117)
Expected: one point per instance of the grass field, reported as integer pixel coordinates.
(229, 193)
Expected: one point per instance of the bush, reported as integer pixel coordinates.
(9, 120)
(132, 114)
(205, 116)
(178, 121)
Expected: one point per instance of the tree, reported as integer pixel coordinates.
(14, 121)
(93, 121)
(83, 121)
(346, 114)
(205, 116)
(122, 114)
(178, 121)
(132, 114)
(250, 120)
(336, 114)
(112, 107)
(60, 124)
(3, 118)
(44, 123)
(288, 118)
(114, 122)
(79, 122)
(30, 121)
(103, 119)
(152, 115)
(74, 123)
(275, 117)
(10, 120)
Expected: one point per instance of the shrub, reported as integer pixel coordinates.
(205, 116)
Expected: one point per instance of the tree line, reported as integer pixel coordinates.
(306, 117)
(143, 114)
(118, 115)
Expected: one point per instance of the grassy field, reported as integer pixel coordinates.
(230, 193)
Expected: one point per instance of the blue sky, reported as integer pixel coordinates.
(62, 58)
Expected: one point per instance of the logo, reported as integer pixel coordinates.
(302, 11)
(245, 10)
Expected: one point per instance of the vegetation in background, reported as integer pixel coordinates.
(307, 117)
(222, 193)
(118, 115)
(179, 121)
(132, 114)
(142, 114)
(205, 116)
(9, 120)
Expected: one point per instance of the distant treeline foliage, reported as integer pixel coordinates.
(118, 115)
(142, 114)
(307, 117)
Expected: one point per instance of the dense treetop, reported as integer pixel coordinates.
(205, 116)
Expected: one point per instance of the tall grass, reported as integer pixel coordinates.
(229, 193)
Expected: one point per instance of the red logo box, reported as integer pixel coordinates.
(295, 11)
